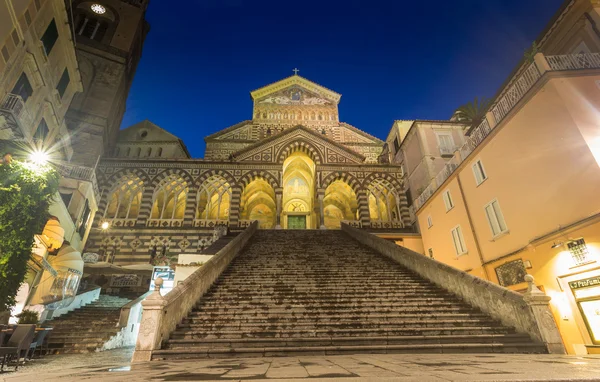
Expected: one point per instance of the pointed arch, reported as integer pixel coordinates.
(250, 176)
(124, 201)
(345, 177)
(302, 145)
(213, 199)
(169, 200)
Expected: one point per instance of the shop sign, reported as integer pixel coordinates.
(592, 281)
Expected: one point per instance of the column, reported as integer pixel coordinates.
(278, 198)
(234, 207)
(363, 209)
(321, 196)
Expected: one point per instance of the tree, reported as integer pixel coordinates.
(474, 111)
(26, 191)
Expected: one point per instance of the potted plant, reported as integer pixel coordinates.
(28, 317)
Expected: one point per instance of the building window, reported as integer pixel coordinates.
(430, 251)
(511, 273)
(149, 151)
(63, 83)
(159, 152)
(429, 221)
(15, 37)
(38, 5)
(579, 251)
(459, 241)
(85, 217)
(23, 87)
(42, 131)
(49, 37)
(448, 200)
(446, 143)
(27, 18)
(92, 28)
(5, 54)
(479, 172)
(409, 199)
(396, 145)
(495, 218)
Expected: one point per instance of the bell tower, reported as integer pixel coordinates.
(109, 36)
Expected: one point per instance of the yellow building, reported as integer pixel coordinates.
(520, 195)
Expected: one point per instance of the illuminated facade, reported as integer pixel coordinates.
(292, 166)
(518, 193)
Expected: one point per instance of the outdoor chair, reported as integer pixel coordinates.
(19, 341)
(38, 341)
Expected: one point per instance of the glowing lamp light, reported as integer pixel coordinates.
(98, 9)
(104, 225)
(39, 158)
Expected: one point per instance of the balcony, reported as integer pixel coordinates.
(87, 174)
(17, 117)
(506, 101)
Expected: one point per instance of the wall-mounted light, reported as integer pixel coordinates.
(579, 251)
(556, 245)
(99, 9)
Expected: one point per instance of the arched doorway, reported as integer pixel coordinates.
(340, 203)
(298, 192)
(258, 203)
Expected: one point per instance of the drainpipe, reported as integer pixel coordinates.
(462, 194)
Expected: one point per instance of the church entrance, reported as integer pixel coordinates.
(298, 192)
(296, 222)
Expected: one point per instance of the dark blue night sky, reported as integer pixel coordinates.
(389, 59)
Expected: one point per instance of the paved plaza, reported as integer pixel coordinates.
(114, 366)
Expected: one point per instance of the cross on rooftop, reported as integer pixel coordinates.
(296, 70)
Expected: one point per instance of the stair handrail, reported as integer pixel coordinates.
(528, 313)
(126, 309)
(162, 314)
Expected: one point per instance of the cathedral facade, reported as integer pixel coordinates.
(294, 165)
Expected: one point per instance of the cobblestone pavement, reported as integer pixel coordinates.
(114, 366)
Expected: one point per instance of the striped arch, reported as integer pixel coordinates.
(190, 204)
(222, 173)
(398, 185)
(299, 145)
(393, 181)
(344, 176)
(108, 185)
(250, 176)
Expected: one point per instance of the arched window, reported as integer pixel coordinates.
(125, 199)
(214, 198)
(159, 152)
(138, 152)
(149, 151)
(169, 199)
(117, 151)
(128, 152)
(383, 201)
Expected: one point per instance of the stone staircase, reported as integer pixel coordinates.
(88, 328)
(311, 292)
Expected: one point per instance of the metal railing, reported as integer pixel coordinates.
(514, 92)
(73, 171)
(574, 61)
(15, 105)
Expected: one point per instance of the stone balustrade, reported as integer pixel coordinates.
(161, 314)
(528, 313)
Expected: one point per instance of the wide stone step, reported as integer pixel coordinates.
(325, 302)
(340, 317)
(344, 341)
(520, 347)
(338, 332)
(337, 309)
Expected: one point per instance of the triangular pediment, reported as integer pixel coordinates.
(276, 148)
(295, 89)
(239, 131)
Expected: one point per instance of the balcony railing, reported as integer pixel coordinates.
(574, 61)
(14, 104)
(72, 171)
(513, 93)
(163, 223)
